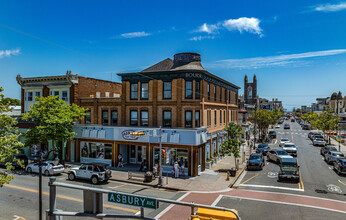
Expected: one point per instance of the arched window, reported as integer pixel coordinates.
(249, 92)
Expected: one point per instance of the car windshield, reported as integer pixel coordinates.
(281, 152)
(290, 146)
(284, 139)
(332, 149)
(101, 168)
(338, 154)
(254, 157)
(319, 139)
(262, 145)
(288, 164)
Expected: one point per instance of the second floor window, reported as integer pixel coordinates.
(188, 89)
(215, 93)
(167, 90)
(38, 94)
(104, 117)
(215, 117)
(144, 118)
(188, 119)
(134, 91)
(197, 90)
(167, 119)
(224, 116)
(220, 116)
(144, 90)
(133, 118)
(87, 118)
(29, 96)
(208, 91)
(114, 117)
(197, 119)
(220, 94)
(64, 96)
(208, 118)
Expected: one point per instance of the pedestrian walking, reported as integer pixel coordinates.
(176, 169)
(121, 160)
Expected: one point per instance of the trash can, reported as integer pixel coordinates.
(232, 172)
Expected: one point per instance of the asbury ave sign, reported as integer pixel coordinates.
(138, 201)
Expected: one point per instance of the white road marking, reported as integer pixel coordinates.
(330, 168)
(217, 200)
(334, 188)
(275, 141)
(287, 203)
(272, 174)
(290, 194)
(158, 216)
(272, 187)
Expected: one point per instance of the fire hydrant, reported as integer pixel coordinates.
(227, 178)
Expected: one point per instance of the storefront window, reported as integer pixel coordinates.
(170, 155)
(97, 151)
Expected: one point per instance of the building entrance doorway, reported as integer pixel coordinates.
(137, 154)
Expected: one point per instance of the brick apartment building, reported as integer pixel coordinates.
(69, 87)
(192, 105)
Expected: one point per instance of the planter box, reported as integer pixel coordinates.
(148, 179)
(232, 172)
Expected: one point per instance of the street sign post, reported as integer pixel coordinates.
(139, 201)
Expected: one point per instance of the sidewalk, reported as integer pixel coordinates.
(209, 180)
(335, 144)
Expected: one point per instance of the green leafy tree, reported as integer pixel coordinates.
(54, 120)
(311, 117)
(10, 101)
(232, 143)
(9, 140)
(326, 121)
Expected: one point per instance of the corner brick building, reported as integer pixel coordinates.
(192, 106)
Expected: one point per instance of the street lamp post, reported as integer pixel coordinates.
(40, 179)
(160, 158)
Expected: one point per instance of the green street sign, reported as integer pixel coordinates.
(138, 201)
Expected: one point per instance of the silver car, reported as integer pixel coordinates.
(318, 142)
(332, 156)
(277, 155)
(48, 168)
(283, 141)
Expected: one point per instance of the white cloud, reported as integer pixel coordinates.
(250, 25)
(330, 7)
(135, 34)
(208, 28)
(198, 38)
(242, 24)
(280, 60)
(8, 53)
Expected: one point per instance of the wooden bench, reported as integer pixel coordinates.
(132, 174)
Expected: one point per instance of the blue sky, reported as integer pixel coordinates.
(297, 49)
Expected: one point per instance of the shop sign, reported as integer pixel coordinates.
(139, 201)
(127, 135)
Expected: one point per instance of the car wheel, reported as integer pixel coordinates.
(71, 176)
(46, 173)
(278, 161)
(29, 170)
(94, 180)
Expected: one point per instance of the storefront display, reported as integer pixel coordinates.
(96, 151)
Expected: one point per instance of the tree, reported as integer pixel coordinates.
(9, 140)
(232, 143)
(10, 101)
(264, 119)
(54, 120)
(311, 117)
(327, 120)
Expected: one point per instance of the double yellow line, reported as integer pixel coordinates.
(69, 198)
(249, 179)
(300, 184)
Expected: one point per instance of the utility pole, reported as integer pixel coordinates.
(160, 158)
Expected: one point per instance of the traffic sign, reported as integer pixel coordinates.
(338, 138)
(138, 201)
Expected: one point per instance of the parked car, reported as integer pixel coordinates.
(256, 161)
(340, 166)
(281, 121)
(21, 157)
(272, 134)
(95, 172)
(326, 149)
(306, 127)
(290, 148)
(332, 156)
(318, 142)
(277, 155)
(283, 141)
(289, 170)
(293, 120)
(313, 135)
(48, 168)
(277, 126)
(263, 149)
(287, 126)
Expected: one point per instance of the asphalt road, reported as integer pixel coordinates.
(317, 177)
(20, 198)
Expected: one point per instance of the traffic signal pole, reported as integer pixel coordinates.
(160, 158)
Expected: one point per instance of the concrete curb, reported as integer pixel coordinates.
(236, 179)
